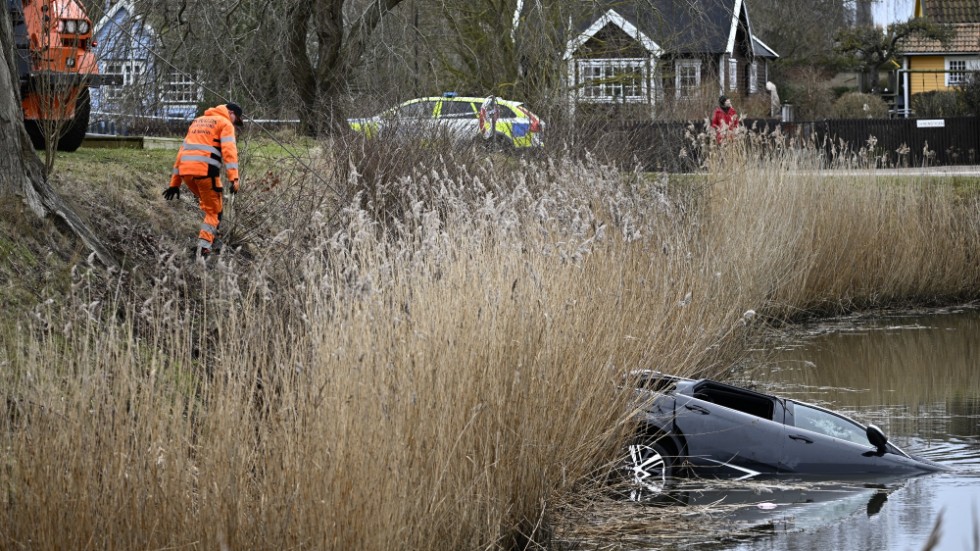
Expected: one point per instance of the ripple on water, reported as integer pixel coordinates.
(961, 454)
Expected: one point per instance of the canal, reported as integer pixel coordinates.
(915, 375)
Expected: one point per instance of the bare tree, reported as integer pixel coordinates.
(324, 50)
(271, 52)
(507, 47)
(21, 171)
(485, 57)
(800, 44)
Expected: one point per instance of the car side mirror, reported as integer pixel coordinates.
(877, 439)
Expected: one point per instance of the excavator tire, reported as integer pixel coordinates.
(36, 134)
(74, 132)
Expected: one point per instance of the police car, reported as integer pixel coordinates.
(458, 118)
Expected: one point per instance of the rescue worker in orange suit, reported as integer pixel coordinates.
(209, 144)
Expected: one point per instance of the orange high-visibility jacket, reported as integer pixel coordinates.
(210, 142)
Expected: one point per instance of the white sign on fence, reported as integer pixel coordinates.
(930, 123)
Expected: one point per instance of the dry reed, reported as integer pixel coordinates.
(428, 358)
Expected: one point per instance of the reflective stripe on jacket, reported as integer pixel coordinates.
(209, 144)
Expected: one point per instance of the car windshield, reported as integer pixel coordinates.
(824, 422)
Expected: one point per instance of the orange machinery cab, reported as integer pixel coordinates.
(62, 63)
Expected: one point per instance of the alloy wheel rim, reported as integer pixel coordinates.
(648, 471)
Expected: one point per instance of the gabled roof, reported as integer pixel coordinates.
(612, 17)
(949, 11)
(125, 7)
(966, 40)
(122, 31)
(760, 49)
(675, 26)
(681, 26)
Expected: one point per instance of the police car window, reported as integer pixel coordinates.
(417, 110)
(507, 111)
(824, 422)
(458, 110)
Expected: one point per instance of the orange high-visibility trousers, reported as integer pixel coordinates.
(208, 190)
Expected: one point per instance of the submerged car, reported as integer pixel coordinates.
(460, 119)
(708, 428)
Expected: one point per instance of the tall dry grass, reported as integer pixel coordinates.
(424, 356)
(830, 234)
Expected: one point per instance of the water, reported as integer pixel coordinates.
(915, 376)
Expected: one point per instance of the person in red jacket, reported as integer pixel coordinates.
(209, 145)
(725, 119)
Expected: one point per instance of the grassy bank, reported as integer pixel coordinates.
(417, 352)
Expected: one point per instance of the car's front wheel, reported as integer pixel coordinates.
(648, 467)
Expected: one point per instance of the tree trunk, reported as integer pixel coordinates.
(21, 171)
(321, 81)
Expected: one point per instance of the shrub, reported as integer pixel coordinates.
(808, 90)
(855, 105)
(755, 106)
(969, 94)
(937, 104)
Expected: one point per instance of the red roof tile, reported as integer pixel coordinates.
(965, 41)
(952, 11)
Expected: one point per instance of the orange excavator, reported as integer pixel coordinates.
(56, 65)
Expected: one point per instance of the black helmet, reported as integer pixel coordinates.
(234, 108)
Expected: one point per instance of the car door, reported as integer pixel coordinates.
(822, 442)
(412, 119)
(459, 119)
(726, 442)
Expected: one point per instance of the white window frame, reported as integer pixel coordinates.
(132, 71)
(732, 74)
(956, 75)
(613, 92)
(182, 89)
(956, 72)
(753, 77)
(681, 65)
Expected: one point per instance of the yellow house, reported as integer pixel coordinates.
(929, 66)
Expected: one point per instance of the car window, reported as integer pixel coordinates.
(417, 110)
(509, 112)
(824, 422)
(458, 110)
(735, 398)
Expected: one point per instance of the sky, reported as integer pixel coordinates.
(886, 12)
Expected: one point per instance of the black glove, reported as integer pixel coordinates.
(171, 192)
(234, 186)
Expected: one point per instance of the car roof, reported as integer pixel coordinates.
(461, 99)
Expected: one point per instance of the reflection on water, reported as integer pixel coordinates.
(886, 362)
(916, 377)
(898, 516)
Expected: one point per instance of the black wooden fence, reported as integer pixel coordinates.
(675, 146)
(908, 142)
